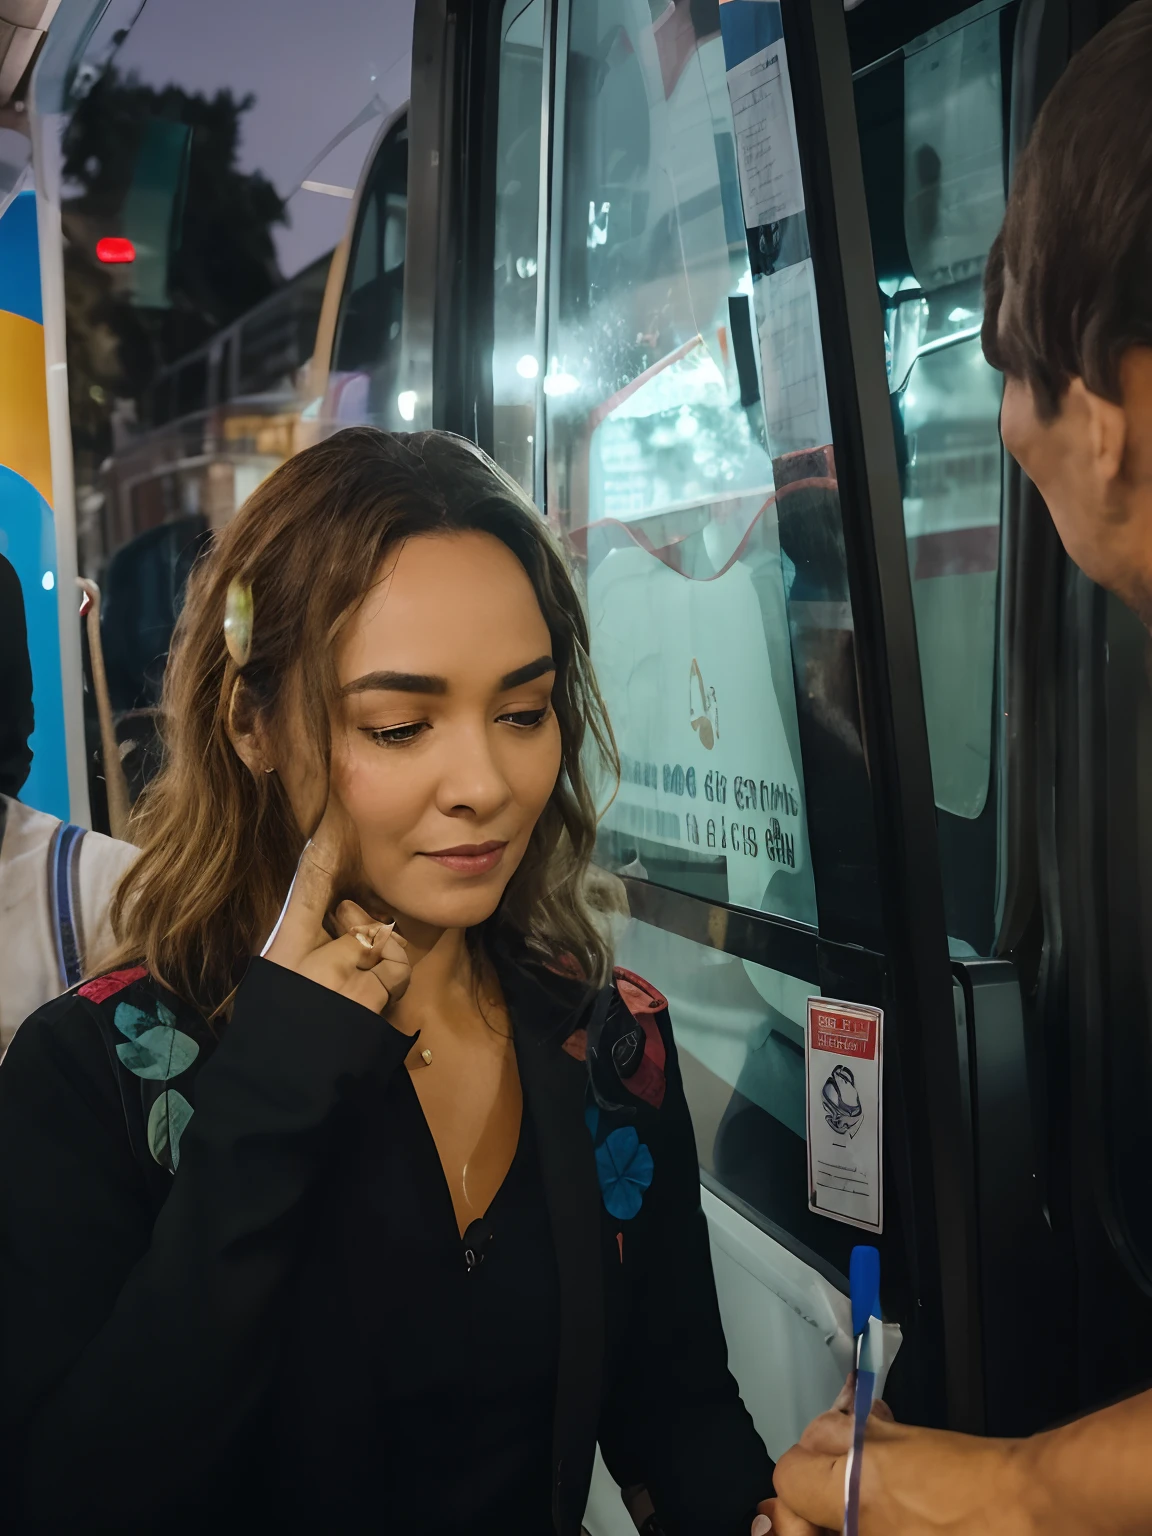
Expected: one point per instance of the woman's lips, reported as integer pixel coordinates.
(470, 858)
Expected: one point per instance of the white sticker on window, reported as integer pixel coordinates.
(769, 164)
(791, 360)
(844, 1076)
(685, 670)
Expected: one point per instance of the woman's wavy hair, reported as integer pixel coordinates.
(219, 845)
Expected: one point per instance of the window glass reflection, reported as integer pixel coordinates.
(932, 141)
(364, 379)
(660, 466)
(515, 361)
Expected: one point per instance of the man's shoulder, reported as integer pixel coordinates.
(25, 828)
(29, 831)
(105, 860)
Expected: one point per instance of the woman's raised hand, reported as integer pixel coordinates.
(368, 961)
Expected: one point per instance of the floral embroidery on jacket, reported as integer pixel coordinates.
(154, 1050)
(624, 1166)
(623, 1044)
(626, 1059)
(100, 988)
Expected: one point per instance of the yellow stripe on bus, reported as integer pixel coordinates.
(24, 402)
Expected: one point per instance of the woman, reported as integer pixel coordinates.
(378, 1213)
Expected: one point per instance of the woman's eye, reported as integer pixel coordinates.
(525, 719)
(394, 735)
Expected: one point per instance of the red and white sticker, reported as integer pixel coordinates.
(844, 1074)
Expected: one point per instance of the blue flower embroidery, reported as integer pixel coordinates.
(624, 1167)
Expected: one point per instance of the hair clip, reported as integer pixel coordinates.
(238, 621)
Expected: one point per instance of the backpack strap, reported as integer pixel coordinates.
(64, 902)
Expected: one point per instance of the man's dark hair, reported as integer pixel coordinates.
(1075, 252)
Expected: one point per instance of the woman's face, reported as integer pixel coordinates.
(445, 748)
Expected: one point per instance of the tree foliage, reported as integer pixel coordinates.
(223, 259)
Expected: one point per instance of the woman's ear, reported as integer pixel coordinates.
(247, 732)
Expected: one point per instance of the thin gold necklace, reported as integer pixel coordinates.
(426, 1053)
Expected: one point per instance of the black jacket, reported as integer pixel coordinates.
(141, 1310)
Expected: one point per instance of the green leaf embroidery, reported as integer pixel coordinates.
(166, 1124)
(158, 1053)
(132, 1021)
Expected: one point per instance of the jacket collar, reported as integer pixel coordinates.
(544, 1009)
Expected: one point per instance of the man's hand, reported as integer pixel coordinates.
(367, 961)
(914, 1482)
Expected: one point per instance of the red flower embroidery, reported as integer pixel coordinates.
(576, 1045)
(644, 1002)
(102, 987)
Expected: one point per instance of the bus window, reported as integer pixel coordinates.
(660, 471)
(515, 360)
(688, 463)
(367, 352)
(932, 142)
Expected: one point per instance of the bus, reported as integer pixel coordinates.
(705, 279)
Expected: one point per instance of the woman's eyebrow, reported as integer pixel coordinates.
(527, 673)
(396, 682)
(421, 682)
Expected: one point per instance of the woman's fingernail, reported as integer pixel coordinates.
(362, 938)
(761, 1525)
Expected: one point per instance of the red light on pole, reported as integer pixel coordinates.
(115, 251)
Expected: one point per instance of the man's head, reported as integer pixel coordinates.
(1068, 314)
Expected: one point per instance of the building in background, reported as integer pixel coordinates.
(192, 187)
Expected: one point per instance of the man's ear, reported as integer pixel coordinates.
(1106, 434)
(1136, 392)
(247, 732)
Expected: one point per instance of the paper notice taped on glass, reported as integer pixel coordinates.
(791, 360)
(762, 116)
(844, 1072)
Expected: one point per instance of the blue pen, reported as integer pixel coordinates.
(864, 1283)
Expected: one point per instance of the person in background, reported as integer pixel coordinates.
(1068, 320)
(56, 881)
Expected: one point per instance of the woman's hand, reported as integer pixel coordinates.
(367, 962)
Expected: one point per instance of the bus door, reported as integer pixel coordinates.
(655, 305)
(944, 96)
(1037, 706)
